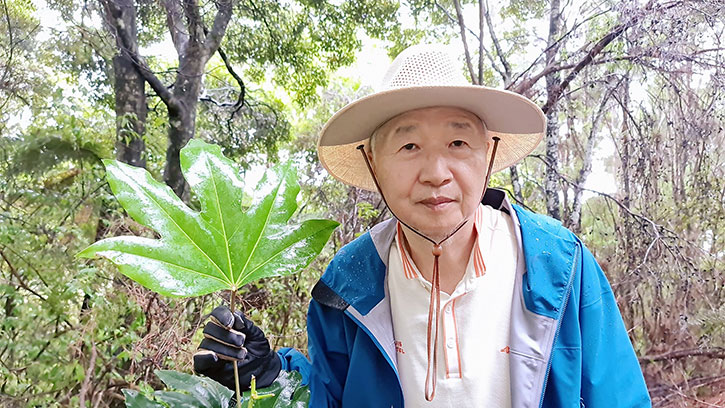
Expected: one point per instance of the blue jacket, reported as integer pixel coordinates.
(568, 344)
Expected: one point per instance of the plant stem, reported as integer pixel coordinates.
(236, 369)
(256, 396)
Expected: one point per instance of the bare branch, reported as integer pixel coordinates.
(17, 276)
(481, 12)
(715, 352)
(89, 375)
(585, 170)
(476, 36)
(221, 20)
(242, 89)
(179, 33)
(596, 49)
(639, 217)
(126, 45)
(194, 22)
(497, 46)
(462, 27)
(455, 21)
(521, 87)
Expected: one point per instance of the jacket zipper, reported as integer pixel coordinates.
(558, 324)
(377, 344)
(529, 356)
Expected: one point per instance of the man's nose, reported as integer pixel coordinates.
(435, 170)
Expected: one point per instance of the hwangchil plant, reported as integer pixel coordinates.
(235, 239)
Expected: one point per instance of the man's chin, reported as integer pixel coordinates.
(436, 231)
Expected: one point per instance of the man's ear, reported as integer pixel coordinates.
(369, 153)
(489, 142)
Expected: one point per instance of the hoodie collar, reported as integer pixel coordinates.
(357, 273)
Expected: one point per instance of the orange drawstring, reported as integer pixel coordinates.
(435, 299)
(434, 308)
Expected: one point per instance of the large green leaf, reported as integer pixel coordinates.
(288, 393)
(186, 390)
(135, 399)
(206, 391)
(227, 244)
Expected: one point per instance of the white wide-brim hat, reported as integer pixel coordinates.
(424, 76)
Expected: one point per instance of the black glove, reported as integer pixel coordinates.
(228, 338)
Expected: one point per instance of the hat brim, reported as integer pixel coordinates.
(517, 121)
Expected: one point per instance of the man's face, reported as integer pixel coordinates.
(431, 166)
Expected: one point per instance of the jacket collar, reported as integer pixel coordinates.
(356, 276)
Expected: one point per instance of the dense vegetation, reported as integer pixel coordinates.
(634, 92)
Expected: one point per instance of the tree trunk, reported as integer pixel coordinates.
(551, 183)
(130, 112)
(182, 121)
(130, 97)
(516, 183)
(624, 149)
(586, 169)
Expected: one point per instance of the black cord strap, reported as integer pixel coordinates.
(434, 308)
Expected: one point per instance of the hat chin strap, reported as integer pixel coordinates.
(434, 308)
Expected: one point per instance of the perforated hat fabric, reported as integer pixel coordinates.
(424, 76)
(423, 65)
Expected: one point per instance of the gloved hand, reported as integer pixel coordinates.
(232, 336)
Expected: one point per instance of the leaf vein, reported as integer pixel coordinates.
(278, 253)
(185, 268)
(261, 232)
(221, 217)
(151, 196)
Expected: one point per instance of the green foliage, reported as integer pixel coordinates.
(201, 392)
(54, 150)
(23, 82)
(189, 391)
(367, 211)
(524, 10)
(223, 246)
(300, 45)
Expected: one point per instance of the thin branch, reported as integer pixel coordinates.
(477, 37)
(242, 88)
(125, 43)
(193, 20)
(462, 27)
(497, 45)
(179, 33)
(89, 376)
(455, 21)
(715, 352)
(482, 10)
(634, 215)
(17, 276)
(219, 27)
(525, 85)
(11, 41)
(595, 50)
(22, 258)
(84, 198)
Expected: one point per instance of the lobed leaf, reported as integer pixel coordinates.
(186, 390)
(232, 241)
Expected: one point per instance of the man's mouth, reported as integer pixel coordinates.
(435, 203)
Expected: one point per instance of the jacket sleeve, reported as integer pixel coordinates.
(327, 334)
(325, 374)
(293, 360)
(611, 374)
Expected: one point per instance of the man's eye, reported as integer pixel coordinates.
(409, 146)
(458, 143)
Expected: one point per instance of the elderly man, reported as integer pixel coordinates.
(461, 299)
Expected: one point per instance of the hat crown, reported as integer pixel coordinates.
(423, 65)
